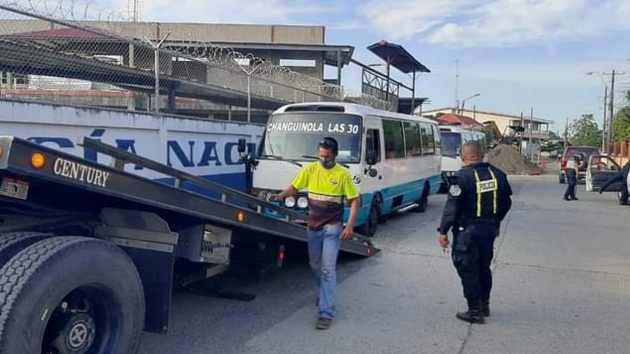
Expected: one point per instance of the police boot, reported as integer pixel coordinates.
(474, 313)
(485, 308)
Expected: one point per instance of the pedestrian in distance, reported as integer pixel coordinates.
(328, 185)
(478, 200)
(622, 177)
(571, 171)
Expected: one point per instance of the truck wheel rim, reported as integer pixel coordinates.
(83, 322)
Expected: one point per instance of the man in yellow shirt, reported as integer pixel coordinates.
(328, 185)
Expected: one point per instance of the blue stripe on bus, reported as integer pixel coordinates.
(411, 192)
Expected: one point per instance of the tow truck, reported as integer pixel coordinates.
(88, 251)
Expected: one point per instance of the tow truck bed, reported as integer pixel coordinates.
(38, 174)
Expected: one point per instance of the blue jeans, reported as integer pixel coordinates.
(323, 248)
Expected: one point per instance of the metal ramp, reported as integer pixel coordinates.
(233, 208)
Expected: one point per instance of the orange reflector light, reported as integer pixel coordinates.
(1, 151)
(38, 160)
(240, 217)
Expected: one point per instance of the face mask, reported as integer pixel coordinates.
(328, 163)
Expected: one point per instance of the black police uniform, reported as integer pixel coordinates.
(478, 200)
(622, 177)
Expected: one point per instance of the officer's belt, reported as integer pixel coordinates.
(473, 221)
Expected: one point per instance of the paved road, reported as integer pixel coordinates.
(562, 285)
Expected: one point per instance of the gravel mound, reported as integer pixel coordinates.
(510, 161)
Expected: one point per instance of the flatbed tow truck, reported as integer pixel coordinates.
(88, 251)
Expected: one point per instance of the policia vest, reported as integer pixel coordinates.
(478, 193)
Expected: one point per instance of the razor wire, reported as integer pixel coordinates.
(76, 30)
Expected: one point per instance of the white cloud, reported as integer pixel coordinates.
(498, 23)
(406, 18)
(551, 74)
(349, 25)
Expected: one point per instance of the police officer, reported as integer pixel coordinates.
(478, 200)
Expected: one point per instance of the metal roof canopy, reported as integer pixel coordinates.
(398, 57)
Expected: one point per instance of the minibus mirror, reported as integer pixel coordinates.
(242, 145)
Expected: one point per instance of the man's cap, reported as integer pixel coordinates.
(329, 144)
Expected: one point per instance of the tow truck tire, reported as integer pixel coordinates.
(70, 295)
(13, 242)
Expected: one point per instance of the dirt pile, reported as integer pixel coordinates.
(510, 161)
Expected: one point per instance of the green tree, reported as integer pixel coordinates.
(584, 131)
(621, 123)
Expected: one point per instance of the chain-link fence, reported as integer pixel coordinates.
(72, 53)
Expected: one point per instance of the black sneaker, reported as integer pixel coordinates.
(323, 323)
(575, 199)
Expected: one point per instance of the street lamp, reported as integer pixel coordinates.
(466, 99)
(598, 75)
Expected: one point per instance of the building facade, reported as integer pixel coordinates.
(536, 130)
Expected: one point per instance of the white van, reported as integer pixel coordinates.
(453, 137)
(394, 158)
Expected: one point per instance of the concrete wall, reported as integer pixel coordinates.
(187, 32)
(230, 33)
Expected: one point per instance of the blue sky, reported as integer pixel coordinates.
(516, 53)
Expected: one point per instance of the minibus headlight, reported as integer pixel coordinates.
(289, 202)
(302, 202)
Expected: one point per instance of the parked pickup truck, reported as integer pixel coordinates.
(583, 152)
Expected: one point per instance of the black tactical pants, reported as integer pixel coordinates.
(623, 197)
(472, 254)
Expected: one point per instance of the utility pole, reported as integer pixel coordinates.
(457, 86)
(605, 129)
(531, 128)
(566, 132)
(611, 114)
(520, 139)
(612, 99)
